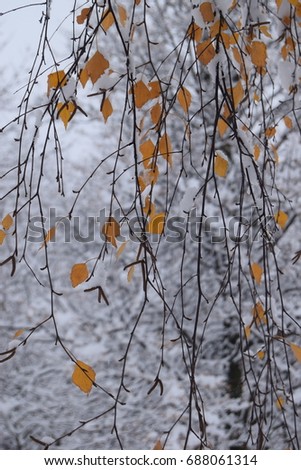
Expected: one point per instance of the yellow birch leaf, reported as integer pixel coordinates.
(106, 109)
(122, 14)
(141, 93)
(237, 93)
(237, 55)
(295, 3)
(83, 77)
(280, 402)
(7, 222)
(222, 126)
(288, 122)
(205, 51)
(49, 236)
(111, 230)
(259, 313)
(296, 350)
(155, 90)
(275, 152)
(195, 32)
(137, 2)
(80, 19)
(256, 271)
(278, 3)
(165, 148)
(147, 177)
(18, 333)
(247, 331)
(56, 79)
(131, 273)
(258, 53)
(156, 223)
(108, 20)
(2, 236)
(184, 98)
(256, 98)
(265, 30)
(147, 150)
(66, 112)
(207, 12)
(270, 132)
(96, 66)
(260, 355)
(120, 249)
(156, 113)
(158, 446)
(220, 166)
(281, 219)
(83, 376)
(256, 151)
(149, 209)
(79, 274)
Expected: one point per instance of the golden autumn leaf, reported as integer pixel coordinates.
(296, 351)
(108, 20)
(256, 151)
(2, 236)
(195, 32)
(83, 77)
(147, 150)
(280, 402)
(247, 330)
(18, 333)
(222, 126)
(281, 218)
(131, 273)
(106, 109)
(207, 12)
(259, 313)
(270, 132)
(260, 355)
(155, 90)
(258, 53)
(83, 376)
(156, 223)
(237, 92)
(7, 222)
(56, 79)
(205, 51)
(220, 166)
(149, 207)
(295, 3)
(66, 112)
(96, 66)
(111, 230)
(147, 177)
(122, 15)
(256, 271)
(121, 249)
(79, 274)
(156, 113)
(288, 122)
(165, 148)
(158, 446)
(141, 93)
(49, 236)
(184, 98)
(84, 14)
